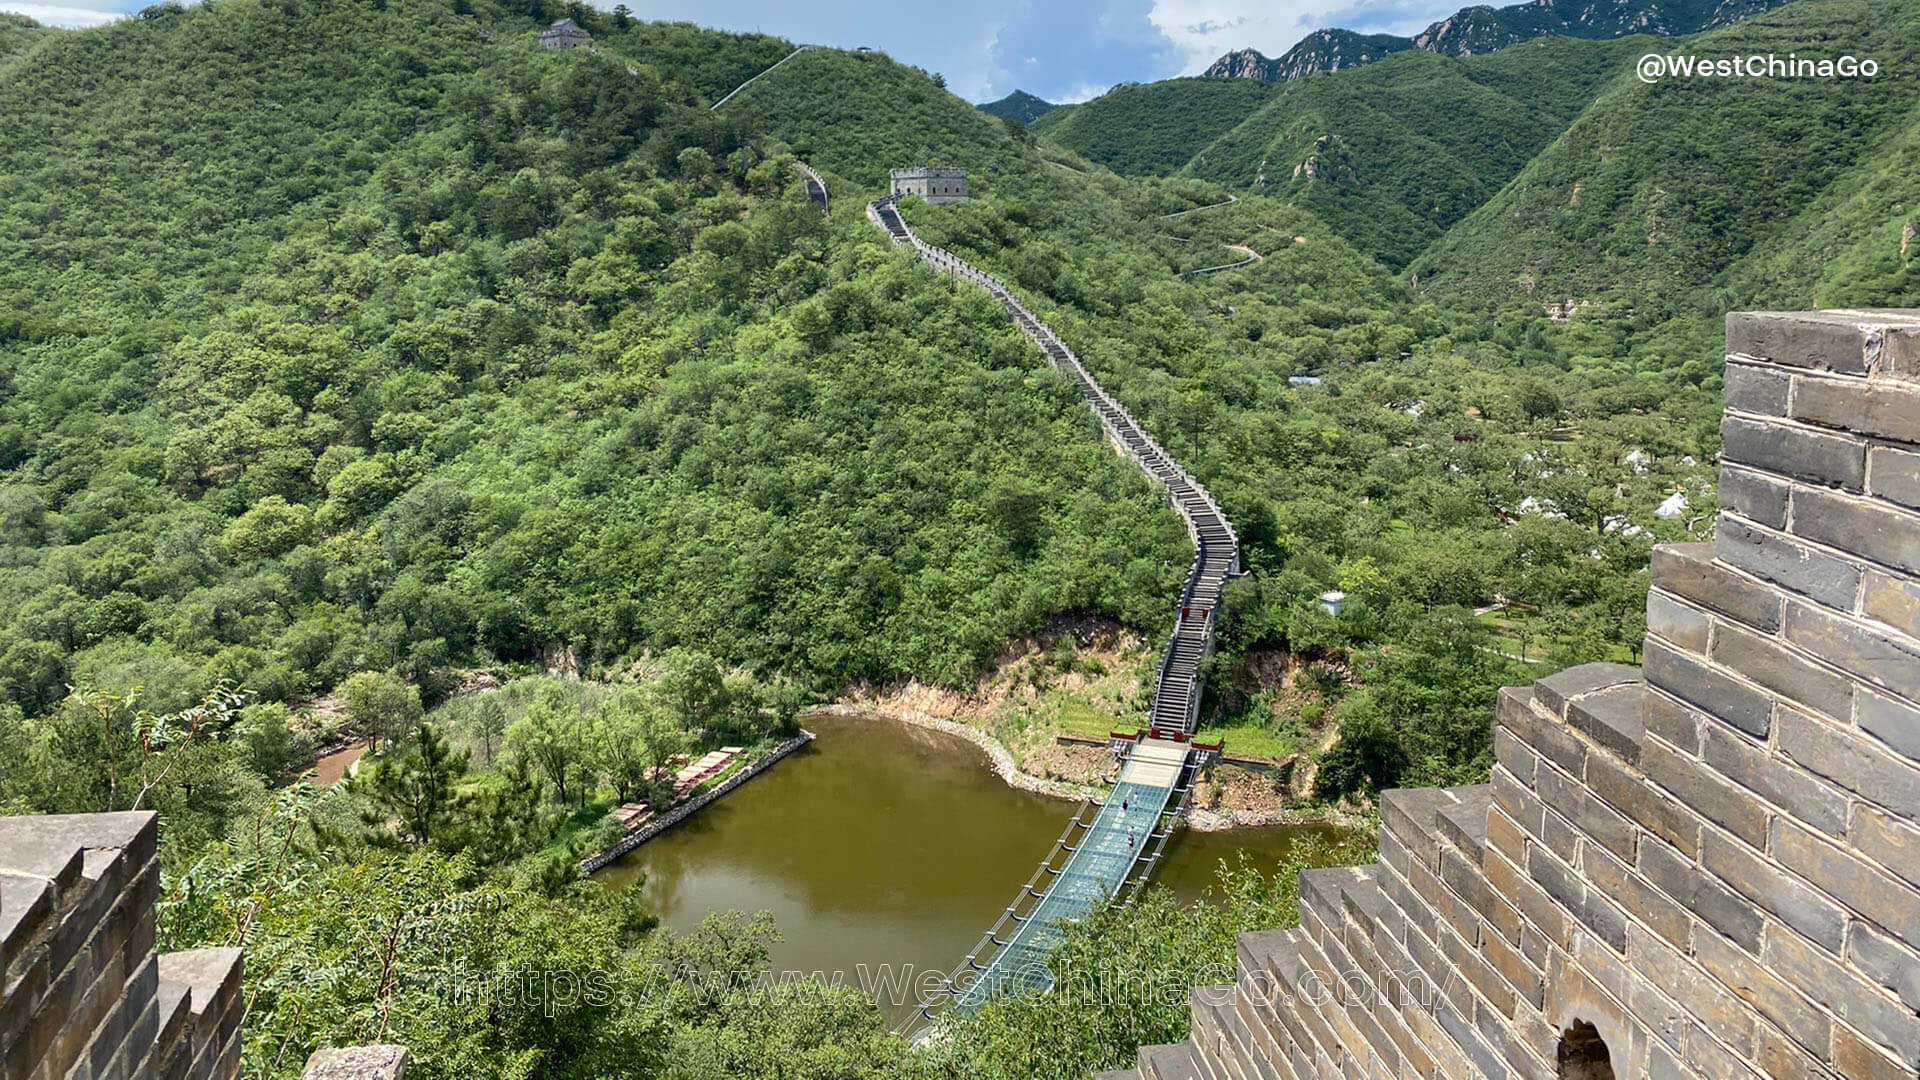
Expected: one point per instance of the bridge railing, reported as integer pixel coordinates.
(1192, 501)
(947, 262)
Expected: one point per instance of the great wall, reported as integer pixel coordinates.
(1704, 867)
(1707, 866)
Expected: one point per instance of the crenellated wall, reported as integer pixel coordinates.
(83, 996)
(1706, 867)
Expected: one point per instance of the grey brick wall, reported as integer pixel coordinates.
(85, 996)
(1713, 861)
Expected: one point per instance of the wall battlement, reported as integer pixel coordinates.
(1708, 866)
(82, 993)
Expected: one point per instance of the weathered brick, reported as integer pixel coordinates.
(1884, 659)
(1708, 794)
(1559, 836)
(1792, 450)
(1646, 805)
(1681, 880)
(1865, 1007)
(1815, 917)
(1855, 1059)
(1588, 816)
(1857, 526)
(1514, 755)
(1822, 341)
(1773, 666)
(1503, 879)
(1893, 843)
(1779, 1059)
(1684, 626)
(1868, 406)
(1755, 389)
(1893, 601)
(1521, 975)
(1698, 993)
(1773, 557)
(1894, 475)
(1517, 803)
(1718, 695)
(1892, 904)
(1850, 762)
(1765, 991)
(1780, 782)
(1893, 722)
(1641, 900)
(1671, 719)
(1886, 962)
(1754, 495)
(1546, 736)
(1688, 571)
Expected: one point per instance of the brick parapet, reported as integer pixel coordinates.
(85, 997)
(1714, 859)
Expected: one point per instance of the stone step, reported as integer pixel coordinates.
(1464, 824)
(1412, 815)
(1170, 1061)
(1603, 701)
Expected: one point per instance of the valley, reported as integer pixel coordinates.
(552, 419)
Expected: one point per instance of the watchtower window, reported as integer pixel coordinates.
(1583, 1054)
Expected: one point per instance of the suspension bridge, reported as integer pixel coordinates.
(1112, 843)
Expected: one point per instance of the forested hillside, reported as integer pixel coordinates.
(342, 338)
(352, 350)
(1019, 106)
(1153, 129)
(1395, 153)
(1677, 199)
(18, 34)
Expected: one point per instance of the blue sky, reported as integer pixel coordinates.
(1063, 50)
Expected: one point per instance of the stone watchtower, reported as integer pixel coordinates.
(1706, 867)
(565, 34)
(936, 186)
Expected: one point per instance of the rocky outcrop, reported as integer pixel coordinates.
(1322, 50)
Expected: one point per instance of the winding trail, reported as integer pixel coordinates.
(1252, 257)
(715, 107)
(1231, 199)
(1110, 847)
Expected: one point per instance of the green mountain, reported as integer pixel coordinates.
(1692, 195)
(338, 337)
(858, 114)
(1393, 154)
(1153, 129)
(18, 34)
(1019, 107)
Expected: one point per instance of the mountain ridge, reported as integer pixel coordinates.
(1482, 28)
(1019, 106)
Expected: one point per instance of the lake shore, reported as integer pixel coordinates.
(1002, 762)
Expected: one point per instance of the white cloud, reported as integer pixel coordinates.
(1204, 30)
(50, 15)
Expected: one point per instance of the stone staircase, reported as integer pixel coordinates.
(1704, 867)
